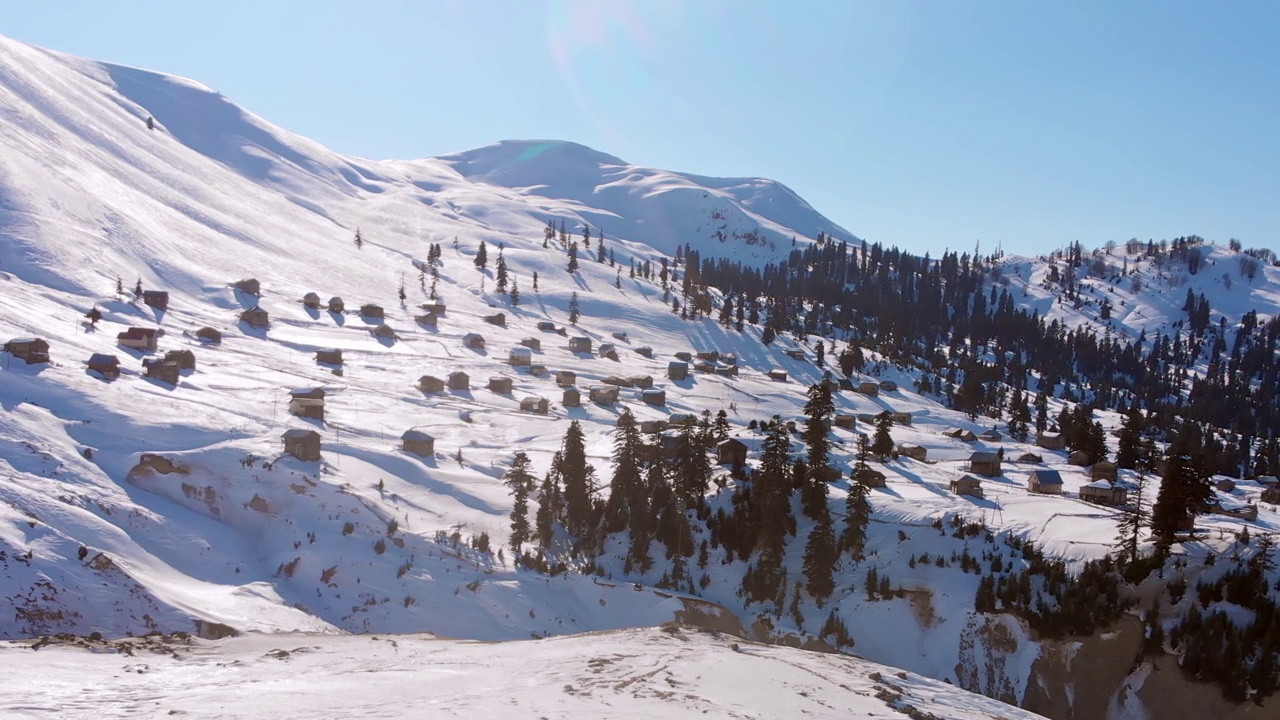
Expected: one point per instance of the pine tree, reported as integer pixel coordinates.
(1129, 528)
(574, 313)
(564, 236)
(515, 293)
(359, 239)
(818, 410)
(772, 492)
(501, 271)
(856, 507)
(550, 501)
(726, 312)
(521, 482)
(579, 481)
(549, 233)
(691, 469)
(137, 290)
(1042, 411)
(573, 257)
(882, 445)
(626, 492)
(94, 316)
(1130, 441)
(600, 253)
(586, 236)
(1182, 491)
(820, 558)
(119, 287)
(482, 257)
(400, 293)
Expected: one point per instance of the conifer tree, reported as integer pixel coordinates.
(359, 239)
(574, 313)
(119, 287)
(1182, 491)
(579, 481)
(515, 293)
(550, 502)
(691, 471)
(626, 491)
(820, 558)
(564, 236)
(137, 290)
(573, 257)
(1130, 441)
(600, 253)
(1129, 528)
(521, 482)
(720, 427)
(501, 272)
(772, 492)
(882, 445)
(856, 507)
(1042, 411)
(400, 293)
(818, 410)
(482, 257)
(549, 233)
(586, 236)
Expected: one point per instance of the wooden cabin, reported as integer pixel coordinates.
(888, 385)
(1271, 495)
(684, 356)
(652, 426)
(533, 404)
(619, 335)
(475, 341)
(165, 371)
(704, 366)
(459, 380)
(645, 351)
(731, 452)
(603, 394)
(372, 311)
(435, 308)
(185, 359)
(546, 326)
(1225, 485)
(311, 300)
(727, 370)
(1079, 458)
(249, 286)
(158, 299)
(991, 435)
(336, 304)
(500, 384)
(307, 402)
(498, 319)
(644, 382)
(961, 434)
(616, 381)
(728, 359)
(986, 463)
(844, 420)
(654, 396)
(1051, 441)
(427, 320)
(532, 343)
(967, 485)
(572, 397)
(1103, 470)
(677, 370)
(607, 350)
(418, 443)
(580, 344)
(1045, 482)
(915, 452)
(708, 355)
(537, 370)
(139, 338)
(430, 384)
(209, 335)
(868, 387)
(108, 366)
(778, 375)
(303, 444)
(794, 354)
(870, 478)
(675, 419)
(1029, 457)
(1104, 492)
(255, 317)
(329, 356)
(384, 331)
(520, 357)
(566, 378)
(901, 418)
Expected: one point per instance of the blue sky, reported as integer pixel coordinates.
(924, 125)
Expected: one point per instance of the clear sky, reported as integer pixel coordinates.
(925, 125)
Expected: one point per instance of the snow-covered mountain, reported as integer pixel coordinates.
(134, 504)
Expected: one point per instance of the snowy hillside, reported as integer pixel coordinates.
(669, 673)
(136, 504)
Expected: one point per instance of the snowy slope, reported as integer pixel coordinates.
(670, 673)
